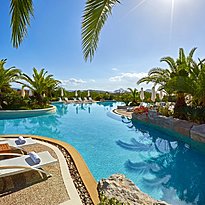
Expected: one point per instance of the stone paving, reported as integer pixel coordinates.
(63, 188)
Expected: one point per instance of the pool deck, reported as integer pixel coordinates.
(62, 188)
(123, 112)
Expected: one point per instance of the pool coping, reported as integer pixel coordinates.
(10, 114)
(85, 174)
(117, 112)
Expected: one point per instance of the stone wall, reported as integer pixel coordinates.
(122, 107)
(125, 191)
(186, 128)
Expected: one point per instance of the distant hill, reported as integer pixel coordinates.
(98, 91)
(121, 90)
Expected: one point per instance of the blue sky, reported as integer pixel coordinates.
(133, 40)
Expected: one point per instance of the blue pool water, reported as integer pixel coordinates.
(159, 163)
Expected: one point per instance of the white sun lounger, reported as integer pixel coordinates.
(66, 99)
(16, 143)
(24, 163)
(80, 99)
(75, 100)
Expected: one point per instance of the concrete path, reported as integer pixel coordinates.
(71, 190)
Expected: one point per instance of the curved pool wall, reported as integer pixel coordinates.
(57, 103)
(15, 114)
(159, 162)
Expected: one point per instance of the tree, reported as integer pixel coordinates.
(7, 76)
(197, 76)
(134, 95)
(40, 84)
(176, 78)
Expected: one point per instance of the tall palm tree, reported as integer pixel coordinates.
(174, 79)
(40, 84)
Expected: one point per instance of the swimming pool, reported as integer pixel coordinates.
(158, 163)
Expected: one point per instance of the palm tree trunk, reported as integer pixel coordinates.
(39, 99)
(179, 106)
(180, 102)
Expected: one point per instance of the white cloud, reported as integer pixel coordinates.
(115, 69)
(129, 77)
(73, 81)
(123, 80)
(92, 80)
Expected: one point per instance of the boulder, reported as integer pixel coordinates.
(153, 117)
(124, 190)
(142, 117)
(165, 122)
(198, 133)
(182, 126)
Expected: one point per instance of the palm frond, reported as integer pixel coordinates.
(21, 12)
(182, 56)
(94, 17)
(155, 71)
(144, 79)
(170, 61)
(191, 53)
(24, 85)
(8, 75)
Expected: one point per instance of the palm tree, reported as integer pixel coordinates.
(197, 76)
(176, 78)
(7, 76)
(134, 95)
(40, 84)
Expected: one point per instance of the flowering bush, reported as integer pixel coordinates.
(141, 110)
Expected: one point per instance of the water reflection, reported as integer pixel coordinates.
(108, 105)
(83, 107)
(62, 109)
(49, 123)
(168, 165)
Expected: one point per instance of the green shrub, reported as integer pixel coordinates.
(165, 111)
(195, 114)
(13, 101)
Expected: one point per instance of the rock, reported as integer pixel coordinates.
(141, 117)
(165, 122)
(198, 133)
(124, 190)
(182, 126)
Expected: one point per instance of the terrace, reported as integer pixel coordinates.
(68, 184)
